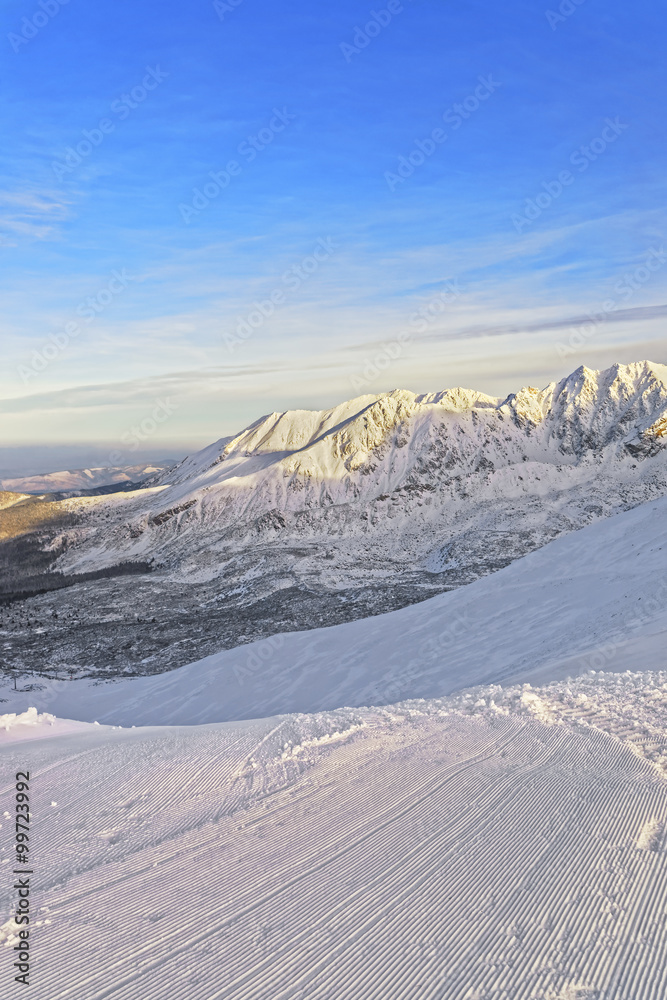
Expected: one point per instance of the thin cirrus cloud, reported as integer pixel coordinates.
(30, 215)
(132, 393)
(635, 315)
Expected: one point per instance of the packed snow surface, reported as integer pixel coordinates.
(502, 844)
(492, 827)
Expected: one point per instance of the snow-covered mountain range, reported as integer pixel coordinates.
(82, 479)
(448, 484)
(308, 518)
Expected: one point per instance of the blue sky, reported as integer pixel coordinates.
(362, 176)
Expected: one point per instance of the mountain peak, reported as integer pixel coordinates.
(579, 417)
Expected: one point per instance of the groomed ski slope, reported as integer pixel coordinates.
(454, 849)
(592, 599)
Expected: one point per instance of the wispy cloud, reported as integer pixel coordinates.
(638, 314)
(135, 392)
(30, 215)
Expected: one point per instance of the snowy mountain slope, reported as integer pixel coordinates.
(381, 442)
(593, 599)
(370, 455)
(368, 449)
(313, 518)
(437, 850)
(8, 499)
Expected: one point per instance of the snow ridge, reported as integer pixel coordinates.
(588, 411)
(399, 457)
